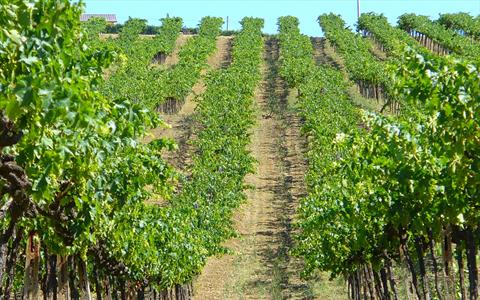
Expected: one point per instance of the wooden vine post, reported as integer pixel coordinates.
(62, 271)
(84, 282)
(32, 264)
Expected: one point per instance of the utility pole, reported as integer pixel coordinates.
(358, 9)
(227, 23)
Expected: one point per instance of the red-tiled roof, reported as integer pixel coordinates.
(107, 17)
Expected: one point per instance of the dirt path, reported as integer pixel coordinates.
(172, 59)
(182, 123)
(324, 54)
(222, 57)
(260, 266)
(321, 54)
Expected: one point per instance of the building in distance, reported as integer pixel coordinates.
(110, 18)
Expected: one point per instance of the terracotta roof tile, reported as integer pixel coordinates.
(107, 17)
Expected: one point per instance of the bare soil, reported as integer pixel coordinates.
(181, 125)
(173, 58)
(222, 57)
(325, 54)
(260, 265)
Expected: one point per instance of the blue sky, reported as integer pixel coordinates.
(306, 10)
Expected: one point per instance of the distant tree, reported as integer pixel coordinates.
(132, 28)
(94, 26)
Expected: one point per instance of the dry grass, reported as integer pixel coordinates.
(260, 265)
